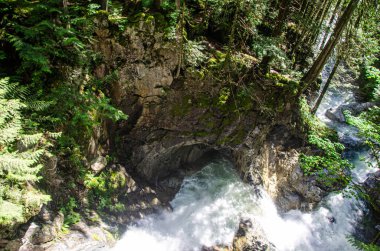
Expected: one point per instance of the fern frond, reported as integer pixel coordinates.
(38, 105)
(13, 90)
(28, 141)
(54, 135)
(34, 156)
(10, 212)
(9, 133)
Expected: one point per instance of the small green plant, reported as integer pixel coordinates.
(369, 128)
(224, 95)
(104, 190)
(371, 86)
(70, 214)
(363, 246)
(326, 163)
(195, 55)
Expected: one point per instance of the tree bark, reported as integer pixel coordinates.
(335, 11)
(321, 20)
(104, 5)
(326, 86)
(281, 17)
(264, 66)
(157, 4)
(318, 64)
(180, 35)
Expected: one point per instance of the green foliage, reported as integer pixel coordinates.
(268, 46)
(311, 123)
(363, 246)
(284, 82)
(327, 163)
(71, 216)
(195, 55)
(224, 96)
(329, 166)
(105, 189)
(49, 48)
(371, 86)
(235, 21)
(20, 161)
(368, 124)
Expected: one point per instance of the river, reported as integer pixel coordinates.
(208, 207)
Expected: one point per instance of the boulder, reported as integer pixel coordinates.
(336, 114)
(250, 237)
(98, 164)
(372, 187)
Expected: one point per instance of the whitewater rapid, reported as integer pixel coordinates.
(206, 212)
(209, 205)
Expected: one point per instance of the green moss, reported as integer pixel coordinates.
(284, 82)
(238, 137)
(311, 124)
(201, 134)
(183, 107)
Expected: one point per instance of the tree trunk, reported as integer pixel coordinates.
(282, 17)
(157, 4)
(264, 66)
(318, 64)
(325, 87)
(335, 11)
(180, 35)
(104, 5)
(303, 6)
(321, 20)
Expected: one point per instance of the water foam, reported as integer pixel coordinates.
(210, 204)
(206, 212)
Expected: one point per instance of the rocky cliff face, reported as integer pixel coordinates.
(176, 121)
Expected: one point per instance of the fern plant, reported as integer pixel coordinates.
(20, 161)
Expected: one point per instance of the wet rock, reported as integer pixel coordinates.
(281, 175)
(98, 164)
(80, 237)
(48, 232)
(250, 236)
(170, 127)
(372, 188)
(13, 245)
(350, 138)
(337, 114)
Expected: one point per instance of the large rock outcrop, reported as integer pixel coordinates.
(173, 122)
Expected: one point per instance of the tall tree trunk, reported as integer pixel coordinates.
(306, 8)
(180, 34)
(318, 64)
(281, 17)
(326, 86)
(104, 5)
(157, 4)
(303, 6)
(321, 21)
(335, 11)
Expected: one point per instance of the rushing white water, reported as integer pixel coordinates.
(210, 204)
(206, 211)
